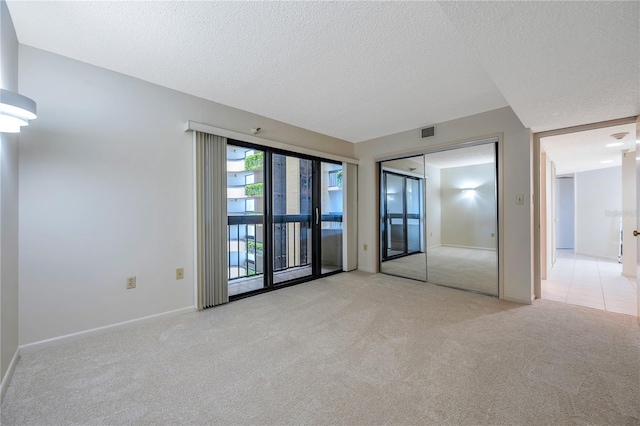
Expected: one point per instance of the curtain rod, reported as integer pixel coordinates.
(205, 128)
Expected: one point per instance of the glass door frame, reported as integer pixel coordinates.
(315, 218)
(384, 210)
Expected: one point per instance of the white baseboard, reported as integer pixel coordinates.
(614, 258)
(81, 335)
(469, 247)
(520, 300)
(9, 374)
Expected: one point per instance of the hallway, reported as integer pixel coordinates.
(592, 282)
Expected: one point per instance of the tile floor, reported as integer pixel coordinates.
(589, 281)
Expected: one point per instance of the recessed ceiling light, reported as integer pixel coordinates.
(606, 161)
(609, 145)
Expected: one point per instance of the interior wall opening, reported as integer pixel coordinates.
(588, 212)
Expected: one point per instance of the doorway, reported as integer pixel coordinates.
(587, 254)
(284, 218)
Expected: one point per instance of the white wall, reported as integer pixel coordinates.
(598, 209)
(8, 201)
(566, 212)
(469, 219)
(550, 206)
(106, 193)
(516, 161)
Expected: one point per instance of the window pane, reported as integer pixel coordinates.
(331, 225)
(245, 210)
(292, 212)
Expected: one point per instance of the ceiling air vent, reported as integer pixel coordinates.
(427, 132)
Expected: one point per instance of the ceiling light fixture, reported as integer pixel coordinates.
(15, 111)
(620, 135)
(606, 162)
(609, 145)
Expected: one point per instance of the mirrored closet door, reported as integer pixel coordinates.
(402, 218)
(438, 217)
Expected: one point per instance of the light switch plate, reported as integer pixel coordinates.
(131, 283)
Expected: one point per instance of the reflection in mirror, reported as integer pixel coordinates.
(402, 218)
(462, 236)
(438, 218)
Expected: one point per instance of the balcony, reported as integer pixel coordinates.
(292, 248)
(236, 192)
(235, 166)
(335, 180)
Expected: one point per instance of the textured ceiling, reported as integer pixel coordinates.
(558, 64)
(582, 151)
(359, 70)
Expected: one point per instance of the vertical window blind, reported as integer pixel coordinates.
(211, 193)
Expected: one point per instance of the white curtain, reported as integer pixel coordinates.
(211, 193)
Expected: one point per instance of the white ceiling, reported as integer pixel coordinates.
(359, 70)
(582, 151)
(458, 157)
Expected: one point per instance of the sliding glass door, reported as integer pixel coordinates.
(331, 217)
(246, 218)
(292, 208)
(285, 218)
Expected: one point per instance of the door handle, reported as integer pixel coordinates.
(636, 233)
(317, 216)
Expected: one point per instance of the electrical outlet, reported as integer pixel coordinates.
(179, 273)
(131, 283)
(366, 247)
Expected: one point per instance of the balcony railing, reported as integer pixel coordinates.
(245, 251)
(291, 242)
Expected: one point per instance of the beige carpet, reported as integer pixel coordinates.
(355, 349)
(469, 269)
